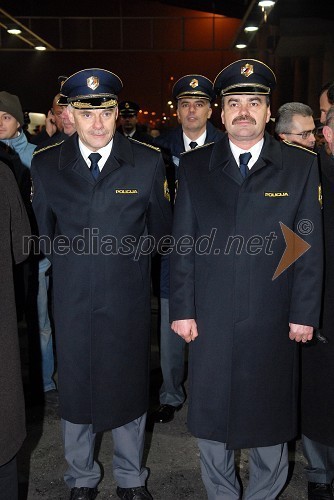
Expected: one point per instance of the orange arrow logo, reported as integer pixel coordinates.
(295, 248)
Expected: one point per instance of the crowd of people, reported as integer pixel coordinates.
(240, 220)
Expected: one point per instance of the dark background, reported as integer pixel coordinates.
(149, 44)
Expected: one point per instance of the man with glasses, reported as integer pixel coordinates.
(294, 123)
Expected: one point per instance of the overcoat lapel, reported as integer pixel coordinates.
(121, 153)
(71, 157)
(223, 158)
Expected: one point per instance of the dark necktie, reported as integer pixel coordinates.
(193, 145)
(94, 168)
(244, 159)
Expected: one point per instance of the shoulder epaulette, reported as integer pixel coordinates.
(197, 148)
(299, 147)
(145, 144)
(47, 147)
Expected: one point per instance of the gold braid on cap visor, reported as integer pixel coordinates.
(262, 89)
(190, 93)
(85, 104)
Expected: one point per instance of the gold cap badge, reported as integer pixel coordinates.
(194, 83)
(247, 70)
(93, 82)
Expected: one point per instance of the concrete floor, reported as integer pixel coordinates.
(171, 454)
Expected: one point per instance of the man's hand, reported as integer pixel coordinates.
(186, 328)
(50, 124)
(300, 333)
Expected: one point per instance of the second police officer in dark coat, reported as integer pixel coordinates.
(238, 307)
(193, 95)
(128, 117)
(97, 212)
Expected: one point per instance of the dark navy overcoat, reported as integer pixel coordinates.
(317, 410)
(14, 226)
(243, 368)
(100, 253)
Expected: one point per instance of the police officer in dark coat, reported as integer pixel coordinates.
(193, 95)
(193, 129)
(101, 203)
(128, 117)
(318, 357)
(242, 305)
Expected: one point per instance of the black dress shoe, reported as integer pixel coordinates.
(165, 413)
(83, 493)
(139, 493)
(320, 491)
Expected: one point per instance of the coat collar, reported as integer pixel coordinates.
(70, 157)
(223, 158)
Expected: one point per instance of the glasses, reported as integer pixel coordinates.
(303, 135)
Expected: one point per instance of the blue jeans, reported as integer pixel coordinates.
(45, 332)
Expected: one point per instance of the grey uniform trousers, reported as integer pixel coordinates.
(268, 471)
(84, 471)
(320, 468)
(172, 350)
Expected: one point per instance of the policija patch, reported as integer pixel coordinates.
(276, 194)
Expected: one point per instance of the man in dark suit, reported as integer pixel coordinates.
(101, 204)
(317, 401)
(193, 95)
(128, 117)
(241, 305)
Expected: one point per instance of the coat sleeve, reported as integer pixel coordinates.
(44, 215)
(182, 261)
(159, 220)
(19, 222)
(306, 293)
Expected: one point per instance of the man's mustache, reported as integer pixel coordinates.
(243, 118)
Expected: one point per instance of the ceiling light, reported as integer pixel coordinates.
(266, 3)
(14, 31)
(251, 28)
(241, 46)
(40, 47)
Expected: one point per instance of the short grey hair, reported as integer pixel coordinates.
(330, 118)
(286, 113)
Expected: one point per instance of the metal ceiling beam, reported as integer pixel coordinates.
(27, 36)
